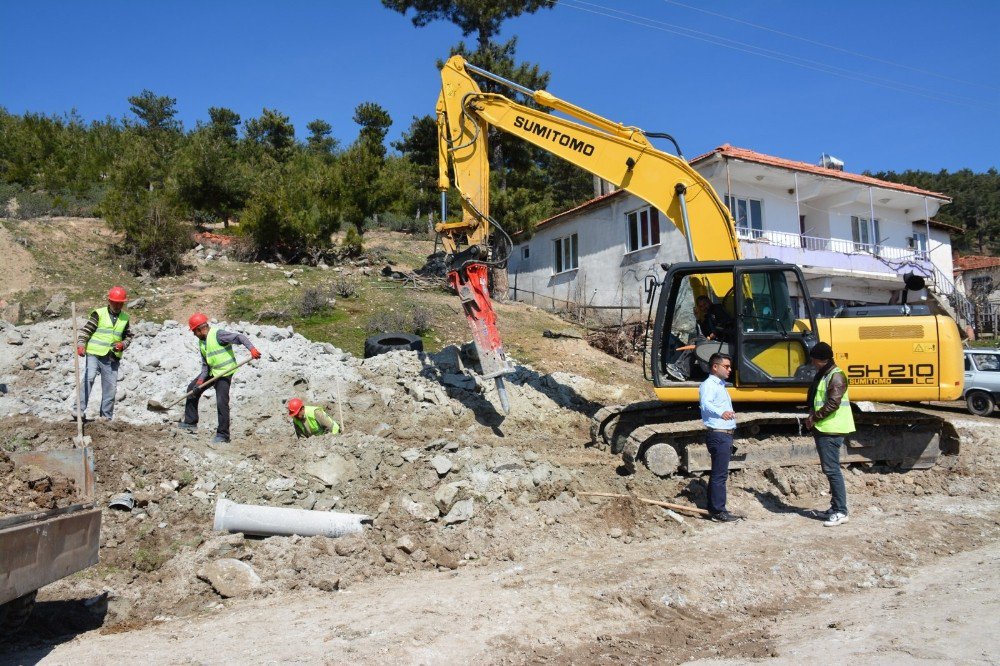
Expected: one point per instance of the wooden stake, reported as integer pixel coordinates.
(340, 404)
(76, 364)
(676, 507)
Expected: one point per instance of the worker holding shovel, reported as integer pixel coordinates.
(102, 340)
(218, 365)
(310, 420)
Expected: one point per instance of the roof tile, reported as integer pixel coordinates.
(748, 155)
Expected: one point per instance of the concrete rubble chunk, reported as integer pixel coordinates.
(327, 583)
(441, 464)
(230, 578)
(362, 402)
(418, 510)
(461, 512)
(11, 312)
(333, 470)
(279, 485)
(446, 495)
(410, 455)
(405, 544)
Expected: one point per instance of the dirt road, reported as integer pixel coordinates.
(767, 587)
(947, 612)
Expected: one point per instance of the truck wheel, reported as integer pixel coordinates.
(979, 403)
(387, 342)
(15, 612)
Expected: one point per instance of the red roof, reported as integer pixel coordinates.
(971, 262)
(585, 204)
(747, 155)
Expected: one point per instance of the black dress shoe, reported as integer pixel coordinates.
(725, 517)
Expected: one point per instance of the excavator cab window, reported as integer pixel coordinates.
(775, 328)
(693, 321)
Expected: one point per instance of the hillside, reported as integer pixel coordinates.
(71, 257)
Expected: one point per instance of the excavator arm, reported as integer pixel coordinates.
(617, 153)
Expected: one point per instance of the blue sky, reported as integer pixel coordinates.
(916, 83)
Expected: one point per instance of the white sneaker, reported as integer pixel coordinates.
(836, 519)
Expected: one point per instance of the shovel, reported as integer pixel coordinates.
(80, 439)
(155, 405)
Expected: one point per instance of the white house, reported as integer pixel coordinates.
(854, 236)
(978, 277)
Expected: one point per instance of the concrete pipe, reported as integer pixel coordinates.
(274, 521)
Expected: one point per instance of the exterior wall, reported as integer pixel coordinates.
(607, 276)
(940, 251)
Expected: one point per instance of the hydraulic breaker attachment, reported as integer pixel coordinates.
(470, 283)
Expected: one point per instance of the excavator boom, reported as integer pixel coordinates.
(617, 153)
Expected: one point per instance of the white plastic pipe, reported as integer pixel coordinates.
(274, 521)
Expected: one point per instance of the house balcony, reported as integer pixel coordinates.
(837, 255)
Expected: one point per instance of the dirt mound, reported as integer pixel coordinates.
(27, 488)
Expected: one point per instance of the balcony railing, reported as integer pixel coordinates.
(786, 239)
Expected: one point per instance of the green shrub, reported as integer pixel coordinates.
(353, 243)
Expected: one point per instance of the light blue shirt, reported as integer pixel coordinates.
(714, 401)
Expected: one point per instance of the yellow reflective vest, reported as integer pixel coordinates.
(841, 422)
(221, 359)
(108, 333)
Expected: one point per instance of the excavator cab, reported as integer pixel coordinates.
(757, 311)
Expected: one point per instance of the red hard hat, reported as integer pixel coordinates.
(196, 320)
(117, 295)
(294, 406)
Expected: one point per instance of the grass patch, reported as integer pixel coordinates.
(148, 559)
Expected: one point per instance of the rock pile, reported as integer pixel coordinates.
(29, 488)
(402, 394)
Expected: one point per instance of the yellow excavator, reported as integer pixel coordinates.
(761, 311)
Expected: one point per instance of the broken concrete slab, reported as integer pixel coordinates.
(230, 578)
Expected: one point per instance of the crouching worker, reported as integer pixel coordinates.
(218, 360)
(310, 420)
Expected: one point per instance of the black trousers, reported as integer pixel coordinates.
(720, 448)
(221, 387)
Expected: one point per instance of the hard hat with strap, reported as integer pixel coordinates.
(108, 333)
(117, 295)
(221, 359)
(196, 320)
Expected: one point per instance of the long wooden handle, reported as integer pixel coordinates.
(205, 385)
(76, 365)
(676, 507)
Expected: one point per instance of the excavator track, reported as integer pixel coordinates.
(666, 437)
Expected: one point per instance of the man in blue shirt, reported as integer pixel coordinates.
(718, 416)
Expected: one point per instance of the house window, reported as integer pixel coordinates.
(865, 234)
(920, 244)
(981, 286)
(643, 228)
(748, 214)
(565, 253)
(525, 252)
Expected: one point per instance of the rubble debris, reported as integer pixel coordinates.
(230, 578)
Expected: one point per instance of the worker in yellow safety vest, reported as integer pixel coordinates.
(831, 418)
(102, 340)
(310, 420)
(218, 361)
